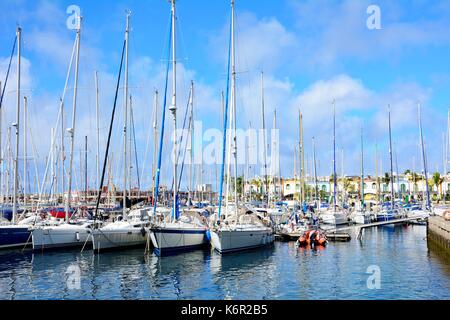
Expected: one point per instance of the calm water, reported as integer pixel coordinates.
(409, 270)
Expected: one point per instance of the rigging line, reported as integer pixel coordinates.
(161, 139)
(181, 139)
(58, 119)
(225, 124)
(7, 72)
(184, 155)
(135, 149)
(109, 135)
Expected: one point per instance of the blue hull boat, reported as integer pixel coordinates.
(12, 236)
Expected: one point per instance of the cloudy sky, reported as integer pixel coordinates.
(311, 52)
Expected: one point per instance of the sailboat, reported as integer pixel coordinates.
(129, 229)
(243, 228)
(334, 216)
(15, 234)
(361, 215)
(71, 233)
(389, 213)
(186, 231)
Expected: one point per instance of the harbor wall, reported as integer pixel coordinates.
(438, 232)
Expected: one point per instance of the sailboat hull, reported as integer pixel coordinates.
(118, 238)
(173, 240)
(226, 241)
(335, 219)
(13, 236)
(56, 238)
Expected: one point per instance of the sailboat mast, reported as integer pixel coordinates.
(264, 137)
(334, 156)
(317, 195)
(16, 158)
(173, 109)
(390, 158)
(125, 120)
(302, 160)
(233, 100)
(97, 115)
(155, 137)
(72, 129)
(191, 135)
(25, 116)
(423, 156)
(362, 169)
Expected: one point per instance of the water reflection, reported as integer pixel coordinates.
(410, 269)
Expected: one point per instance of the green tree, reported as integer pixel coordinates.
(437, 181)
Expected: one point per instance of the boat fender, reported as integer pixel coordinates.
(208, 235)
(143, 232)
(77, 236)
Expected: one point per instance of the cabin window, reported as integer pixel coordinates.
(374, 185)
(324, 188)
(403, 188)
(288, 187)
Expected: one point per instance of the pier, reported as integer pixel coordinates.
(438, 232)
(360, 227)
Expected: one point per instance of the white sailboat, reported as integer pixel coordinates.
(76, 232)
(242, 228)
(129, 229)
(188, 230)
(335, 215)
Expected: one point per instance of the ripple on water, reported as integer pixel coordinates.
(409, 270)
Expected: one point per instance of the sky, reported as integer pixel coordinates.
(311, 52)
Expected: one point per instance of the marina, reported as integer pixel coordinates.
(281, 271)
(142, 182)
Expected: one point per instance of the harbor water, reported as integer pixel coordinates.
(408, 269)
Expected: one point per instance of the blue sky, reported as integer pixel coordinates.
(311, 52)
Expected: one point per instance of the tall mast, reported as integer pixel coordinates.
(233, 99)
(377, 184)
(25, 116)
(334, 156)
(155, 137)
(264, 137)
(423, 156)
(191, 136)
(72, 129)
(173, 109)
(125, 102)
(16, 158)
(302, 160)
(317, 194)
(390, 158)
(63, 157)
(362, 169)
(97, 115)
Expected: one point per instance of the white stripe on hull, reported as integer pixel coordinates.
(235, 240)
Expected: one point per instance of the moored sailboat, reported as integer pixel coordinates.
(242, 228)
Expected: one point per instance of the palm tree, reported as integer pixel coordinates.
(437, 181)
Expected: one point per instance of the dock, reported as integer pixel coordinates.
(438, 232)
(360, 227)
